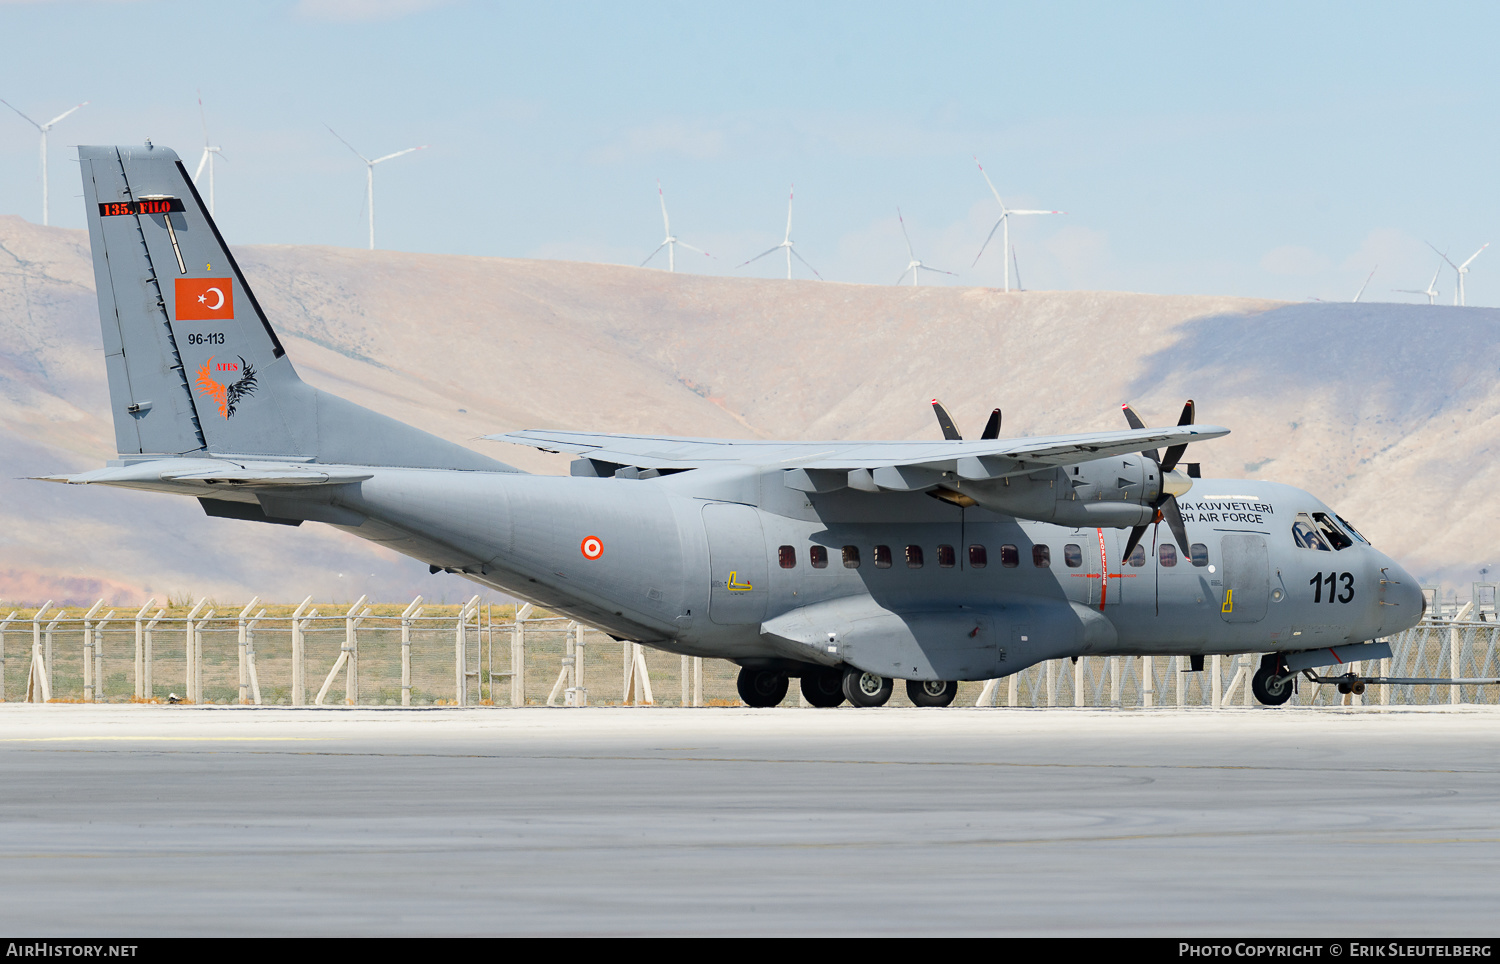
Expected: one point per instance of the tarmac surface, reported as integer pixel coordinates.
(147, 820)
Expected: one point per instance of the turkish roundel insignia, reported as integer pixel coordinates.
(204, 299)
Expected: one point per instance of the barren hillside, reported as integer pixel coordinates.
(1389, 412)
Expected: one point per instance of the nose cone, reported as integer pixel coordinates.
(1403, 601)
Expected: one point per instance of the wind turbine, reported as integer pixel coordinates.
(1362, 287)
(787, 243)
(1430, 291)
(43, 128)
(913, 266)
(208, 156)
(671, 242)
(370, 176)
(1005, 214)
(1461, 269)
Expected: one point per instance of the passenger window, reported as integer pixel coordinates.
(1041, 557)
(1010, 557)
(1072, 556)
(1167, 554)
(914, 557)
(1200, 554)
(788, 557)
(1331, 532)
(851, 557)
(818, 556)
(882, 557)
(1305, 533)
(1138, 556)
(946, 557)
(978, 558)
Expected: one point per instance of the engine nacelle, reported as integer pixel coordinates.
(1113, 492)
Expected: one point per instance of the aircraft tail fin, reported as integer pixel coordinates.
(194, 365)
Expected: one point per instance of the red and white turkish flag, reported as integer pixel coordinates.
(205, 299)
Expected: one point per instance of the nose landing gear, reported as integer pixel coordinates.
(1271, 684)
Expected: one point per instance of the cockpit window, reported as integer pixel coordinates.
(1351, 530)
(1305, 533)
(1331, 531)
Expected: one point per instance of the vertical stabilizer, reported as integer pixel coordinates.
(194, 366)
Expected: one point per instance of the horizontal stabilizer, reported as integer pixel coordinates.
(214, 472)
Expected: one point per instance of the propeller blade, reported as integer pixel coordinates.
(1135, 422)
(804, 261)
(992, 427)
(653, 254)
(945, 422)
(759, 256)
(1135, 539)
(1174, 454)
(1173, 517)
(988, 240)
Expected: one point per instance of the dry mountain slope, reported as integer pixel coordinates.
(1387, 411)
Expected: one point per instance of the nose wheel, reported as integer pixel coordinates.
(1271, 684)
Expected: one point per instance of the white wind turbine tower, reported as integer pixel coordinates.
(1461, 270)
(914, 266)
(43, 128)
(1430, 291)
(208, 156)
(787, 243)
(671, 242)
(370, 176)
(1005, 214)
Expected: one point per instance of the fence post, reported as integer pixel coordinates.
(250, 654)
(3, 625)
(1148, 682)
(196, 637)
(1013, 690)
(1181, 679)
(697, 680)
(1455, 651)
(518, 657)
(1218, 682)
(352, 619)
(580, 690)
(414, 611)
(99, 656)
(150, 627)
(244, 643)
(142, 689)
(1078, 666)
(187, 648)
(299, 651)
(38, 676)
(461, 652)
(88, 651)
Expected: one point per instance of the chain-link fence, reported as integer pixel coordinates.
(481, 654)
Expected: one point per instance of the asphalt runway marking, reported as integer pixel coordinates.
(753, 760)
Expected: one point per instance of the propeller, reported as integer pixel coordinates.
(1165, 503)
(950, 430)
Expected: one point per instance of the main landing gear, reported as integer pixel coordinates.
(828, 687)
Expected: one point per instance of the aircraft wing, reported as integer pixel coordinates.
(895, 465)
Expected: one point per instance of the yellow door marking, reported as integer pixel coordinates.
(1228, 601)
(735, 585)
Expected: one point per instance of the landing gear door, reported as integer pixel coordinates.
(1247, 578)
(739, 589)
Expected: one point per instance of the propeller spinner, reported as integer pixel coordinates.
(1173, 484)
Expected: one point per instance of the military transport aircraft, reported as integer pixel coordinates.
(846, 565)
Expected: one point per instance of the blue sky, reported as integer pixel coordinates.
(1275, 150)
